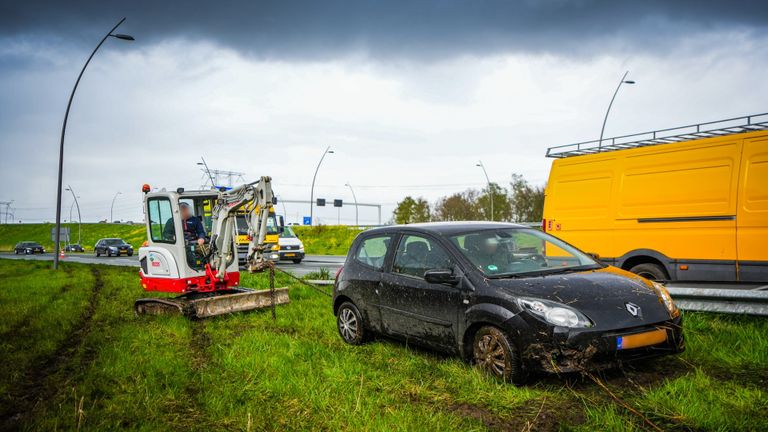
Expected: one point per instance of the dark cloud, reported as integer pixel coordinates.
(392, 28)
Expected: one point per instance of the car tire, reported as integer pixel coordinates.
(97, 253)
(650, 271)
(130, 254)
(349, 323)
(297, 261)
(495, 354)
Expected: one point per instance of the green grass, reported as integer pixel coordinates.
(11, 234)
(97, 367)
(326, 239)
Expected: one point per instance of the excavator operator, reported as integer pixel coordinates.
(194, 232)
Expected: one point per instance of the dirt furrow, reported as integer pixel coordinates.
(39, 383)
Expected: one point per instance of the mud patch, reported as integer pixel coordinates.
(38, 383)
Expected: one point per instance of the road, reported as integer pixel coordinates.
(310, 264)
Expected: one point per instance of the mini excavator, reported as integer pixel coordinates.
(205, 273)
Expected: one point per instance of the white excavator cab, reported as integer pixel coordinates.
(173, 261)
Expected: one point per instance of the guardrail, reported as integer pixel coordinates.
(734, 301)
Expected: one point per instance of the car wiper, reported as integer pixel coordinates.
(543, 272)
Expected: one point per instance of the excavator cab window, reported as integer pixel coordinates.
(161, 226)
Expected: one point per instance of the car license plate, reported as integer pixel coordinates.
(639, 340)
(290, 254)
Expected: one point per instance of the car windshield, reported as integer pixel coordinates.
(287, 233)
(114, 242)
(517, 252)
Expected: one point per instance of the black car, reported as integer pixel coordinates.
(73, 248)
(28, 248)
(112, 247)
(508, 298)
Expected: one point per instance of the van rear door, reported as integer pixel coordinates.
(752, 212)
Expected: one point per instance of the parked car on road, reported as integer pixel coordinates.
(28, 248)
(506, 297)
(112, 247)
(291, 248)
(73, 248)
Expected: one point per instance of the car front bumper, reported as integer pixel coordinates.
(291, 254)
(575, 350)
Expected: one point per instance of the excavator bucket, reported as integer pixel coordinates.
(204, 305)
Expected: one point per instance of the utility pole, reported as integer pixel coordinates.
(312, 190)
(623, 80)
(490, 189)
(349, 185)
(63, 132)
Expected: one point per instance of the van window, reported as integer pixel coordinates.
(161, 226)
(373, 250)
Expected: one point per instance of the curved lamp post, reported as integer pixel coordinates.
(490, 189)
(79, 219)
(112, 207)
(64, 129)
(312, 191)
(349, 185)
(624, 80)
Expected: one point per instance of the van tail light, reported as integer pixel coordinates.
(544, 225)
(338, 273)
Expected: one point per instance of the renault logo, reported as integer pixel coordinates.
(633, 309)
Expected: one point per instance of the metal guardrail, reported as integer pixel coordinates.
(734, 301)
(729, 126)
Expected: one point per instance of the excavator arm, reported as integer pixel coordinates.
(259, 197)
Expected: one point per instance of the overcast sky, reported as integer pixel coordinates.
(409, 94)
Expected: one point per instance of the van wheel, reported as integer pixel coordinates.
(297, 261)
(496, 355)
(350, 324)
(650, 271)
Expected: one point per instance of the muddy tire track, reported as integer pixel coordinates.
(192, 410)
(40, 379)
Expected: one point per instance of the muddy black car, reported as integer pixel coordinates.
(112, 247)
(28, 248)
(508, 298)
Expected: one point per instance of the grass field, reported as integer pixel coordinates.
(318, 240)
(10, 234)
(75, 357)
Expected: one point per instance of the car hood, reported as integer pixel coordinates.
(289, 241)
(602, 295)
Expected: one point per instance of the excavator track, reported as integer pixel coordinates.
(204, 305)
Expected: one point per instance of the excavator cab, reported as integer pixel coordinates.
(170, 264)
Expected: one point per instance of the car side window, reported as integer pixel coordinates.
(161, 226)
(373, 250)
(416, 254)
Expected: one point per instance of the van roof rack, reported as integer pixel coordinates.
(729, 126)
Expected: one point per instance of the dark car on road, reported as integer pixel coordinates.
(112, 247)
(508, 298)
(73, 248)
(28, 248)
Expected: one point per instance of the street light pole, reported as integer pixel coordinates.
(490, 189)
(64, 129)
(312, 190)
(624, 80)
(79, 219)
(112, 207)
(349, 185)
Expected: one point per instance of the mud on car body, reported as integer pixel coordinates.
(508, 298)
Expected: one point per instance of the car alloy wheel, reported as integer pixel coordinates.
(350, 324)
(494, 353)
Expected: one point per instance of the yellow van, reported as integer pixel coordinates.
(688, 203)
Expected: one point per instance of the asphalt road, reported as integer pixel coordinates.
(311, 263)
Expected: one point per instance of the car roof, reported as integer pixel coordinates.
(446, 228)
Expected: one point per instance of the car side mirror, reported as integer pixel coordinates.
(594, 256)
(441, 276)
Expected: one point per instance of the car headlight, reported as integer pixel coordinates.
(555, 313)
(664, 296)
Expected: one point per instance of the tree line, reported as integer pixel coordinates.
(520, 202)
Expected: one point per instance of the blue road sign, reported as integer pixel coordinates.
(307, 220)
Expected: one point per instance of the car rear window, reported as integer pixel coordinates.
(373, 250)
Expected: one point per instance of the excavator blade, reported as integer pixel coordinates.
(204, 305)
